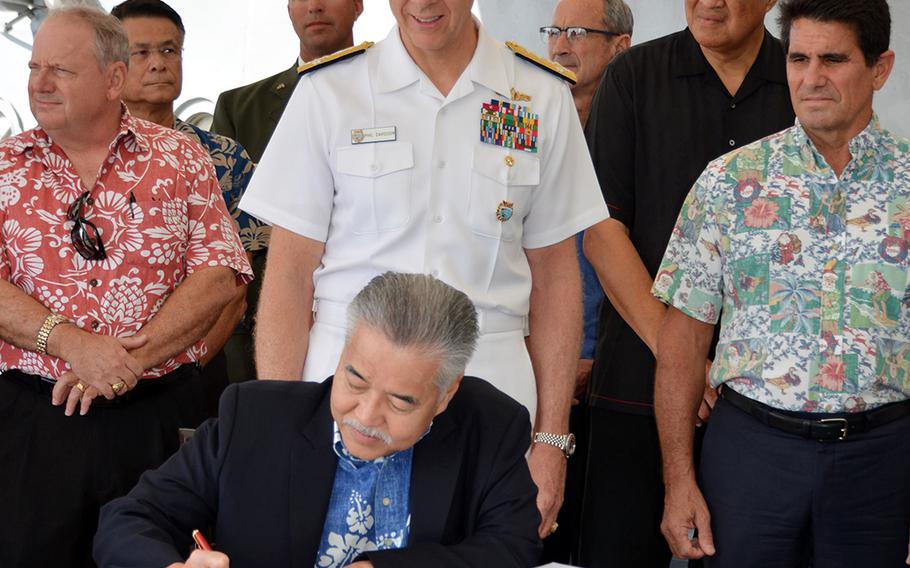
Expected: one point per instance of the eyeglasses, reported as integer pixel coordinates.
(85, 235)
(168, 53)
(574, 33)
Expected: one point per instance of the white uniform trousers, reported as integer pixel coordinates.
(501, 357)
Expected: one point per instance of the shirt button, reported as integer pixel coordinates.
(732, 105)
(732, 142)
(95, 325)
(90, 201)
(437, 219)
(510, 161)
(374, 168)
(441, 164)
(94, 282)
(386, 501)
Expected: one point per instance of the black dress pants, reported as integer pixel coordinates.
(57, 471)
(781, 500)
(624, 494)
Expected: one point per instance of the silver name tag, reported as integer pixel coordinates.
(369, 135)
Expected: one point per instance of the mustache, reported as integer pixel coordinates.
(367, 431)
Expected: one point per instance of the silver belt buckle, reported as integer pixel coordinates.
(844, 429)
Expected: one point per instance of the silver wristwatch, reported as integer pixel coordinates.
(565, 442)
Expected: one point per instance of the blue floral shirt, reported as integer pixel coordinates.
(234, 168)
(369, 508)
(809, 270)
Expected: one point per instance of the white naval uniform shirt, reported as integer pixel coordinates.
(427, 201)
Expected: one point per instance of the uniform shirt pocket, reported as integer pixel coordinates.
(501, 179)
(374, 180)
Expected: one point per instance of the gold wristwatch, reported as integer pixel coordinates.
(50, 322)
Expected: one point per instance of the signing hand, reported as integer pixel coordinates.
(548, 470)
(204, 559)
(685, 509)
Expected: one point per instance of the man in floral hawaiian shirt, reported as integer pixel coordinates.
(153, 82)
(798, 243)
(116, 256)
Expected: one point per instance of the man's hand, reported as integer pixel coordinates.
(65, 389)
(204, 559)
(685, 509)
(100, 361)
(582, 376)
(548, 470)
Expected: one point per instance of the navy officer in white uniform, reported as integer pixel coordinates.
(439, 151)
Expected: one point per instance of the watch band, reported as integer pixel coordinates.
(560, 441)
(44, 333)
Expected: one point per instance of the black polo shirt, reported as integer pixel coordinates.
(660, 115)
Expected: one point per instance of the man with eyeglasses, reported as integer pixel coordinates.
(116, 256)
(153, 82)
(662, 112)
(584, 37)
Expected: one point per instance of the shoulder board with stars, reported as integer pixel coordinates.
(545, 64)
(334, 57)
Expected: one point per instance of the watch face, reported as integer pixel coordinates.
(570, 445)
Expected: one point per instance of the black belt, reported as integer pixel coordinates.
(829, 428)
(143, 388)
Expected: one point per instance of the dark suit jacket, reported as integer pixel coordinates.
(250, 113)
(262, 475)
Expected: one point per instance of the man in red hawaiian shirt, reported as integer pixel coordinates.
(116, 256)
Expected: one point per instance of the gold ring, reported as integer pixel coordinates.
(80, 386)
(553, 527)
(117, 386)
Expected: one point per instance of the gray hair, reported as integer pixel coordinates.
(111, 41)
(618, 17)
(417, 310)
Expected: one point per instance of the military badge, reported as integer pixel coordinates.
(509, 125)
(504, 210)
(518, 95)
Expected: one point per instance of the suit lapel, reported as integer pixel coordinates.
(434, 474)
(312, 474)
(282, 89)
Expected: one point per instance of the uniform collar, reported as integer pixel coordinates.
(486, 67)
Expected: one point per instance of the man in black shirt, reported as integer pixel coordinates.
(663, 110)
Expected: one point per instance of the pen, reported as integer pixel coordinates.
(132, 202)
(201, 543)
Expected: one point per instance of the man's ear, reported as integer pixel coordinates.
(883, 68)
(116, 80)
(622, 43)
(447, 396)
